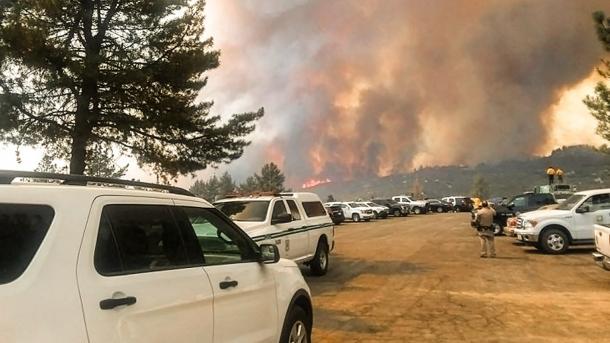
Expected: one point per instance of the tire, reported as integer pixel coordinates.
(296, 318)
(497, 229)
(439, 210)
(375, 214)
(417, 210)
(356, 217)
(554, 241)
(396, 213)
(319, 264)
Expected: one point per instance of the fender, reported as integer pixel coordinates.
(301, 298)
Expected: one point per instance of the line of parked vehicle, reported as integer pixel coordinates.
(381, 208)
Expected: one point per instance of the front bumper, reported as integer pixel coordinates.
(367, 215)
(526, 236)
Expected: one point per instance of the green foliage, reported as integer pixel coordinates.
(480, 188)
(271, 178)
(249, 186)
(599, 104)
(214, 188)
(330, 198)
(123, 73)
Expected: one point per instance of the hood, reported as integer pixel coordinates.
(544, 214)
(253, 229)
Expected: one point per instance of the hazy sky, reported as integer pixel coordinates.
(357, 88)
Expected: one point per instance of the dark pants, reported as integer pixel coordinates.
(560, 178)
(551, 179)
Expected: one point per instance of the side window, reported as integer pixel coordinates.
(22, 229)
(138, 238)
(520, 202)
(294, 210)
(314, 209)
(278, 209)
(599, 202)
(219, 242)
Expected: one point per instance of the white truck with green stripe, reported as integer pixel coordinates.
(296, 222)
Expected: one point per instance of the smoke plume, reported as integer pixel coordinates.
(357, 88)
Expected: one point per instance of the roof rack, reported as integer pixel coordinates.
(8, 176)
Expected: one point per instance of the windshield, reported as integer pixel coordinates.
(570, 202)
(371, 204)
(353, 204)
(244, 211)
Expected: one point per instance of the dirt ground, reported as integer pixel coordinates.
(420, 279)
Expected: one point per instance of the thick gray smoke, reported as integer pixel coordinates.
(354, 88)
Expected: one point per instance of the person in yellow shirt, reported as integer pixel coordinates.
(550, 171)
(559, 174)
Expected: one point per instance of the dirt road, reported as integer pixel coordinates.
(421, 279)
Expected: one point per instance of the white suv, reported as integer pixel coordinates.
(81, 263)
(417, 206)
(355, 211)
(296, 222)
(571, 223)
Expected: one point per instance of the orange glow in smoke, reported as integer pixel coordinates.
(313, 182)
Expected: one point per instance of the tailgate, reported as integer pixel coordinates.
(602, 239)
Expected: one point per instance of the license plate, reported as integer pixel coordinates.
(519, 237)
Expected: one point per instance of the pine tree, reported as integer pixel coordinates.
(249, 186)
(207, 190)
(599, 104)
(330, 198)
(76, 75)
(271, 178)
(226, 185)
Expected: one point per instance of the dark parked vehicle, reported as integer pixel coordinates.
(464, 205)
(336, 214)
(394, 208)
(439, 206)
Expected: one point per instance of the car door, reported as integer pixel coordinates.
(245, 304)
(282, 236)
(138, 280)
(598, 213)
(346, 211)
(298, 247)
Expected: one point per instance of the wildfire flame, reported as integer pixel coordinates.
(315, 182)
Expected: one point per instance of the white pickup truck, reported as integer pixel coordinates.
(296, 222)
(355, 211)
(602, 245)
(417, 206)
(571, 223)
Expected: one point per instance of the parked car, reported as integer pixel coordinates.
(602, 245)
(296, 222)
(379, 211)
(416, 206)
(356, 212)
(394, 208)
(572, 223)
(439, 206)
(84, 263)
(460, 203)
(524, 203)
(336, 213)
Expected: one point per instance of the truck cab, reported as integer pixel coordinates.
(417, 206)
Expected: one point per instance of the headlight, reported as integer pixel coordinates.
(531, 223)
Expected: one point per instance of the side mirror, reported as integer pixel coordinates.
(282, 218)
(269, 253)
(583, 209)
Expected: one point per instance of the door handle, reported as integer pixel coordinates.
(228, 284)
(109, 304)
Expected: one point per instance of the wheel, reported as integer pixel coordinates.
(356, 217)
(554, 241)
(296, 327)
(396, 213)
(375, 214)
(497, 229)
(319, 264)
(439, 210)
(417, 210)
